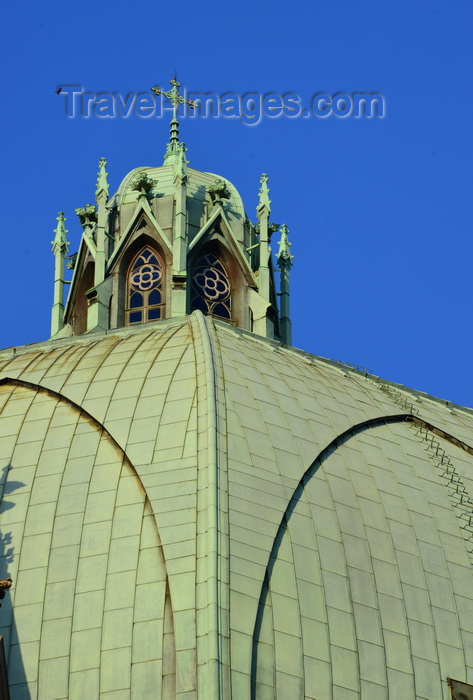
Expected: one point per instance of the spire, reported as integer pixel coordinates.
(60, 246)
(101, 190)
(262, 212)
(175, 99)
(284, 261)
(101, 197)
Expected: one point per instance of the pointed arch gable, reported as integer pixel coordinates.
(218, 221)
(83, 258)
(138, 238)
(216, 238)
(205, 228)
(142, 213)
(77, 307)
(224, 273)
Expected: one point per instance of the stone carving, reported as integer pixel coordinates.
(71, 263)
(272, 228)
(143, 184)
(218, 191)
(87, 215)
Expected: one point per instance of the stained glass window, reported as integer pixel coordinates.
(145, 289)
(211, 291)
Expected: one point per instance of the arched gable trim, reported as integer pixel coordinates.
(121, 269)
(80, 259)
(146, 539)
(77, 310)
(142, 211)
(218, 219)
(60, 397)
(296, 496)
(298, 493)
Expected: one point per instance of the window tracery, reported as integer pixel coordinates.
(145, 289)
(211, 289)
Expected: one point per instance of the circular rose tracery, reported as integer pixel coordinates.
(145, 284)
(211, 287)
(146, 277)
(212, 283)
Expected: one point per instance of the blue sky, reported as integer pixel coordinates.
(378, 209)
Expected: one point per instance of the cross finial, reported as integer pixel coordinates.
(176, 100)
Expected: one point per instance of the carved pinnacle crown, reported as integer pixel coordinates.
(143, 184)
(87, 215)
(264, 201)
(60, 244)
(218, 191)
(102, 181)
(283, 256)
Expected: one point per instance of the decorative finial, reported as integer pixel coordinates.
(87, 215)
(264, 201)
(143, 184)
(175, 99)
(60, 244)
(218, 191)
(102, 181)
(283, 256)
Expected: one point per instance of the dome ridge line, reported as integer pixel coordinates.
(212, 493)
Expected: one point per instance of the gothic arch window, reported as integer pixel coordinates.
(211, 289)
(145, 288)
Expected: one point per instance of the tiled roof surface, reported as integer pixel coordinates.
(145, 464)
